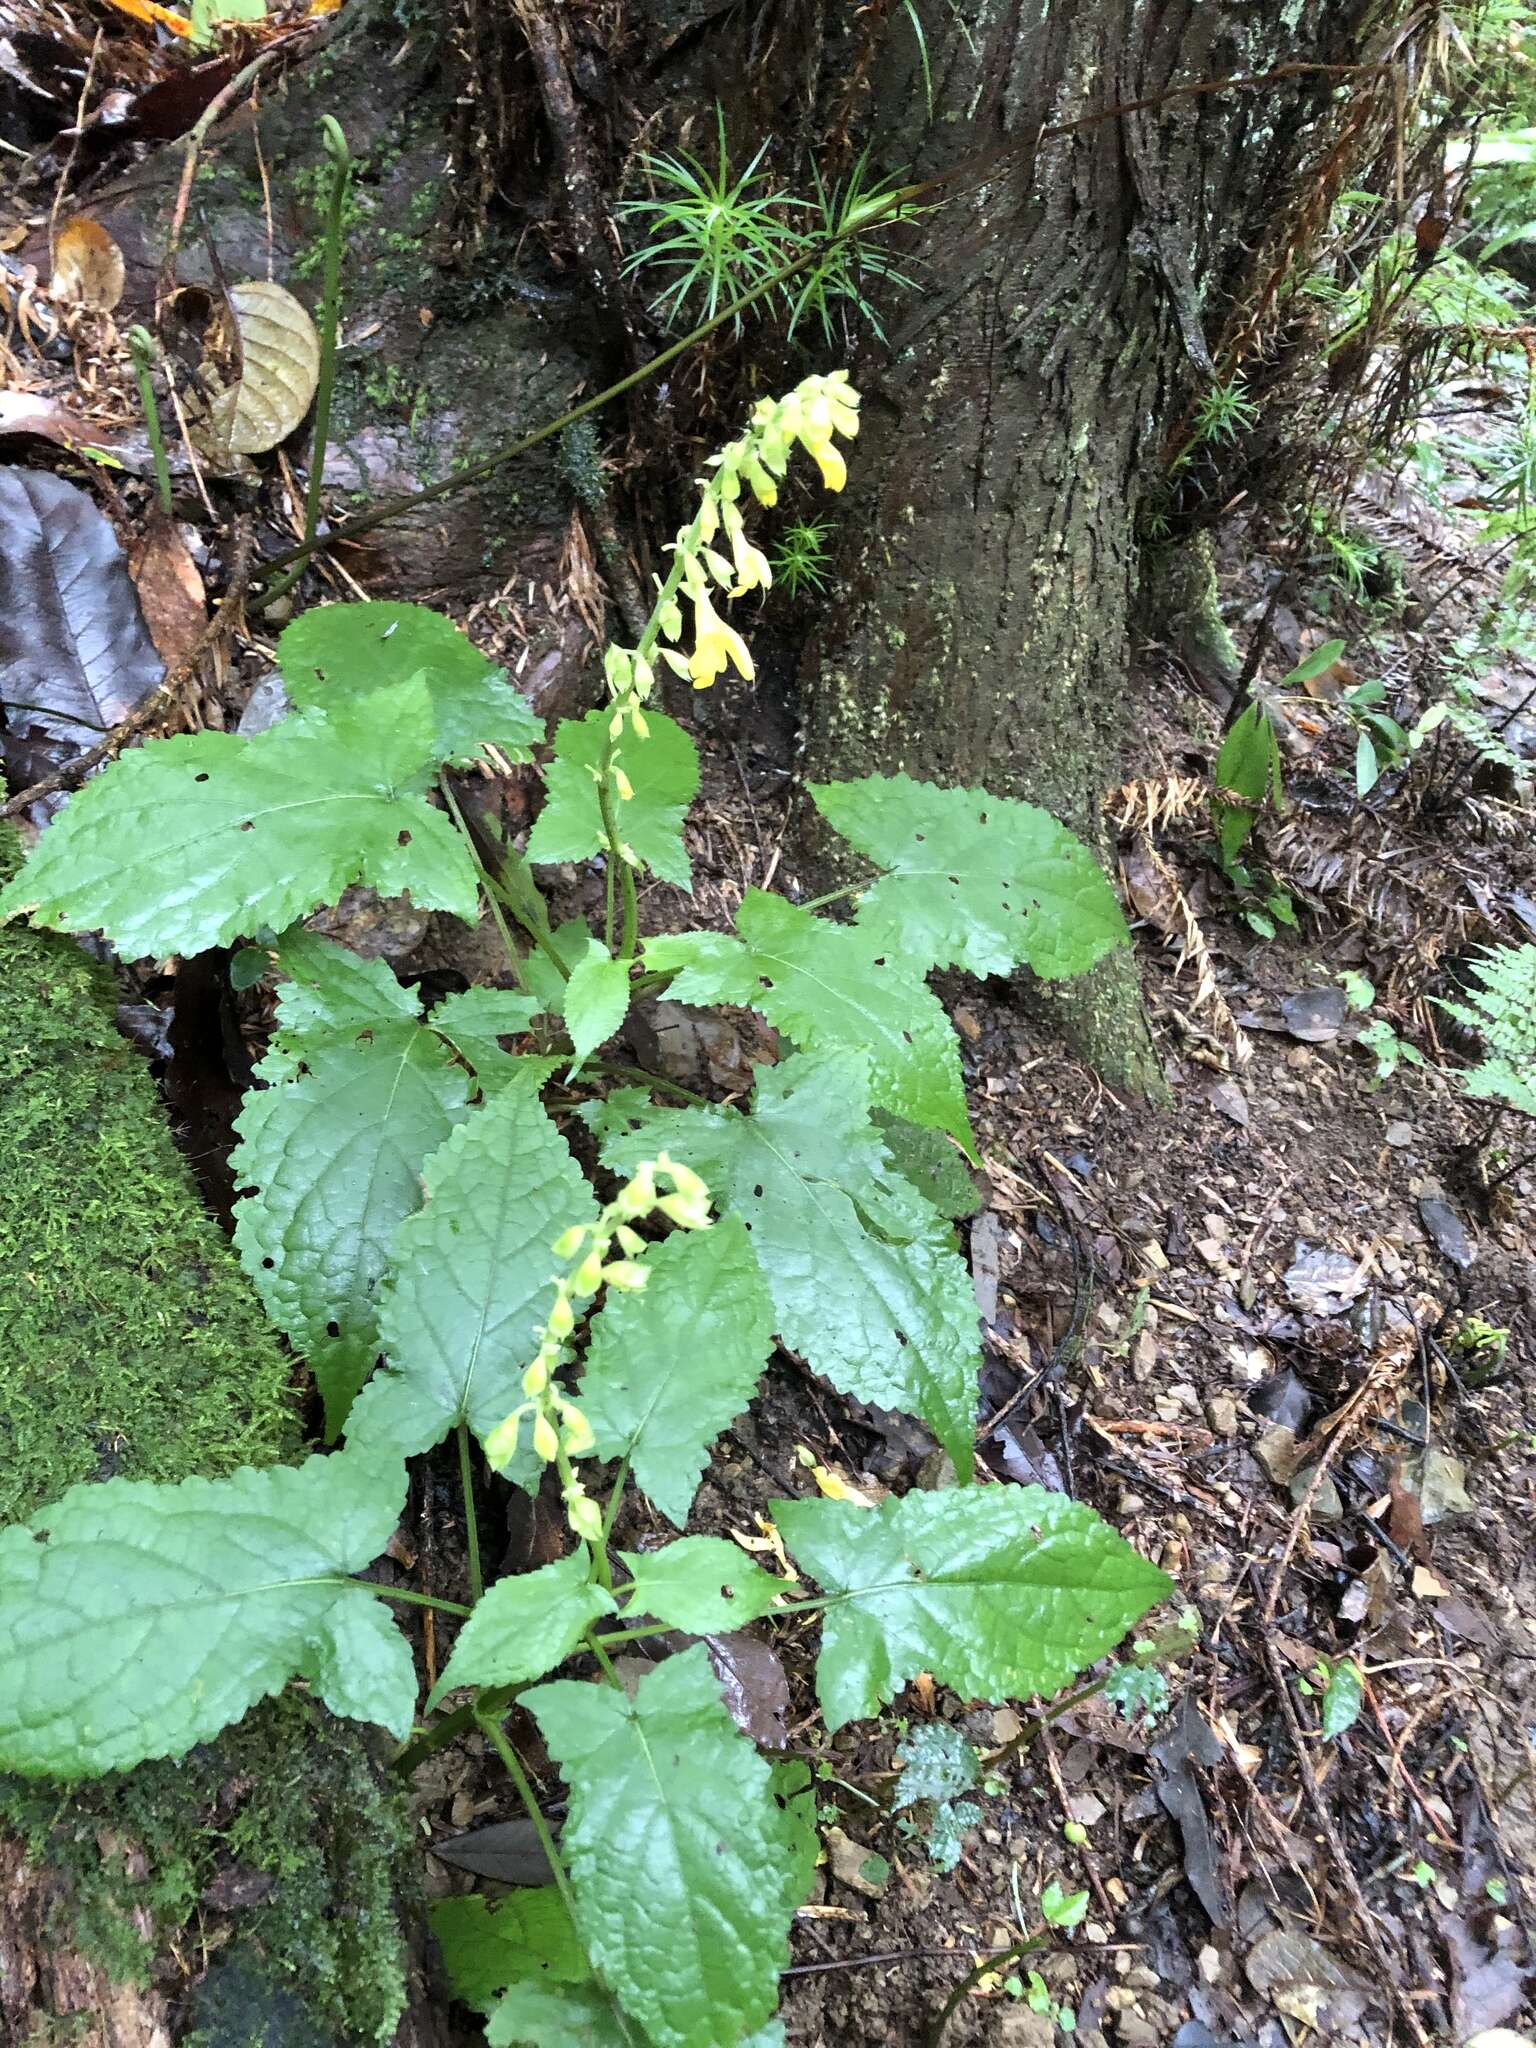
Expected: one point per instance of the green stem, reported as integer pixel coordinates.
(984, 1968)
(603, 1659)
(494, 1699)
(607, 801)
(834, 896)
(514, 1770)
(540, 937)
(141, 346)
(514, 958)
(348, 529)
(471, 1524)
(413, 1599)
(611, 1512)
(620, 1072)
(330, 315)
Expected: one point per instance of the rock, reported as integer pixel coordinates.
(1275, 1450)
(1316, 1015)
(1021, 2028)
(1446, 1230)
(856, 1866)
(1323, 1283)
(1221, 1414)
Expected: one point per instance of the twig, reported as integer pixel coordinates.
(74, 149)
(230, 611)
(197, 135)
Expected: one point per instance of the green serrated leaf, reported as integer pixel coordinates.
(187, 843)
(663, 771)
(331, 992)
(572, 942)
(596, 999)
(998, 1593)
(559, 2016)
(973, 880)
(828, 985)
(471, 1277)
(702, 1584)
(936, 1763)
(526, 1935)
(338, 652)
(672, 1364)
(137, 1620)
(1319, 659)
(476, 1020)
(665, 1782)
(525, 1626)
(865, 1279)
(334, 1155)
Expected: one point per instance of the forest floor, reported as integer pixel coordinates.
(1236, 1326)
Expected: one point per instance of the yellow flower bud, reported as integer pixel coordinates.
(584, 1517)
(616, 726)
(637, 720)
(578, 1431)
(536, 1378)
(686, 1211)
(570, 1242)
(622, 784)
(501, 1444)
(589, 1274)
(630, 1240)
(626, 1275)
(561, 1321)
(545, 1441)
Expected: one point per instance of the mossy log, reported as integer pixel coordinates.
(250, 1892)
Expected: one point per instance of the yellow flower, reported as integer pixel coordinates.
(501, 1444)
(545, 1441)
(717, 646)
(582, 1513)
(829, 460)
(622, 784)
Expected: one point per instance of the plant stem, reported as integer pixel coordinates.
(539, 937)
(493, 1699)
(141, 347)
(491, 1724)
(997, 1961)
(514, 958)
(611, 1512)
(620, 1072)
(834, 896)
(413, 1599)
(604, 1660)
(471, 1524)
(330, 315)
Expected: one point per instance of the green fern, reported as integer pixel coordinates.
(1503, 1011)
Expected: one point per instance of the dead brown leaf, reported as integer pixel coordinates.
(171, 594)
(87, 266)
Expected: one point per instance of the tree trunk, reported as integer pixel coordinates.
(1070, 305)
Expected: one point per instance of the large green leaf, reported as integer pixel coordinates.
(973, 880)
(864, 1275)
(687, 1867)
(331, 992)
(472, 1274)
(526, 1935)
(533, 2015)
(334, 1156)
(703, 1584)
(137, 1620)
(475, 1021)
(525, 1626)
(998, 1592)
(663, 771)
(672, 1364)
(596, 999)
(828, 985)
(337, 652)
(186, 843)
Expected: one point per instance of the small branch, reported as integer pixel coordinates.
(413, 1599)
(471, 1521)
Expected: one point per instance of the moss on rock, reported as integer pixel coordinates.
(134, 1346)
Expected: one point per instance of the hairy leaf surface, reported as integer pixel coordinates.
(336, 652)
(865, 1279)
(534, 2015)
(663, 1783)
(526, 1935)
(331, 992)
(525, 1626)
(670, 1366)
(999, 1593)
(186, 843)
(137, 1620)
(596, 999)
(973, 880)
(703, 1584)
(474, 1022)
(333, 1154)
(472, 1274)
(825, 986)
(663, 771)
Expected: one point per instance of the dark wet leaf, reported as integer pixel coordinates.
(1190, 1744)
(1283, 1399)
(1305, 1982)
(75, 654)
(1447, 1231)
(753, 1686)
(1488, 1986)
(507, 1850)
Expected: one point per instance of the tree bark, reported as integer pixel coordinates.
(1071, 302)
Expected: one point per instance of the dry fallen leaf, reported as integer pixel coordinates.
(87, 266)
(279, 357)
(171, 594)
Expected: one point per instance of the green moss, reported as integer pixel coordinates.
(134, 1345)
(132, 1342)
